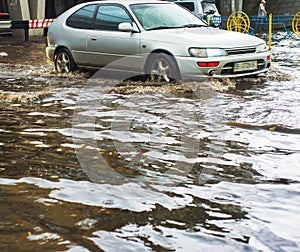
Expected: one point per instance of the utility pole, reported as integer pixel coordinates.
(37, 11)
(229, 6)
(237, 5)
(18, 10)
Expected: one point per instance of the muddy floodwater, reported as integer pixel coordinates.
(90, 163)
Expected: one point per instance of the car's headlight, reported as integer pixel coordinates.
(261, 48)
(207, 52)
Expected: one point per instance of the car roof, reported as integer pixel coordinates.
(128, 2)
(124, 2)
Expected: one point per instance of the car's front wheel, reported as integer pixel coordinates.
(162, 67)
(63, 61)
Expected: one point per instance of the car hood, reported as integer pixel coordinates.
(205, 37)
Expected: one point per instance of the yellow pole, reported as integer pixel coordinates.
(208, 19)
(270, 31)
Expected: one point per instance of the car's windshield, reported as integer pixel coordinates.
(164, 15)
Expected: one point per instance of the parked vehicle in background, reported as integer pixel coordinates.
(158, 38)
(4, 17)
(205, 9)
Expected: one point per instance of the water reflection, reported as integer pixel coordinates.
(89, 165)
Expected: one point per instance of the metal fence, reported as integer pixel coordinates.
(285, 25)
(275, 28)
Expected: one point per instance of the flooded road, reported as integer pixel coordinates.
(92, 164)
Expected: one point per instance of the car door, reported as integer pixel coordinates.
(107, 44)
(78, 29)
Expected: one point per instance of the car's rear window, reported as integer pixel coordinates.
(82, 18)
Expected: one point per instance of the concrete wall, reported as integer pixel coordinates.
(290, 7)
(225, 7)
(53, 7)
(59, 6)
(18, 10)
(37, 11)
(27, 10)
(3, 6)
(276, 7)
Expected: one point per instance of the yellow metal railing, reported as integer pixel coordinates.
(296, 24)
(240, 22)
(270, 31)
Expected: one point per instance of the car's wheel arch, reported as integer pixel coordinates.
(59, 48)
(64, 49)
(164, 52)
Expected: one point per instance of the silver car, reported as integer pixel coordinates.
(157, 38)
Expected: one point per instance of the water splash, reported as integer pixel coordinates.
(3, 54)
(24, 97)
(140, 87)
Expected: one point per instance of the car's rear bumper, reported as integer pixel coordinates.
(50, 50)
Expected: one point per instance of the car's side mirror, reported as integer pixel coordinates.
(127, 27)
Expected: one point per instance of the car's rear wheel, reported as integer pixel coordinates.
(162, 67)
(64, 62)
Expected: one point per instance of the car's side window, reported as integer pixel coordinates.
(83, 17)
(110, 16)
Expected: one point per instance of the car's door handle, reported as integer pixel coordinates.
(92, 38)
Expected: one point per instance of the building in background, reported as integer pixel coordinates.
(32, 9)
(276, 7)
(3, 6)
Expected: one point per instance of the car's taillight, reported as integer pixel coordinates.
(269, 57)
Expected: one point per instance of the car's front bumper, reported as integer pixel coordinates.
(190, 70)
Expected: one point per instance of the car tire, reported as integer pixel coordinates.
(63, 61)
(162, 67)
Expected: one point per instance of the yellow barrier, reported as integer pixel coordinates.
(270, 31)
(208, 20)
(238, 21)
(296, 24)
